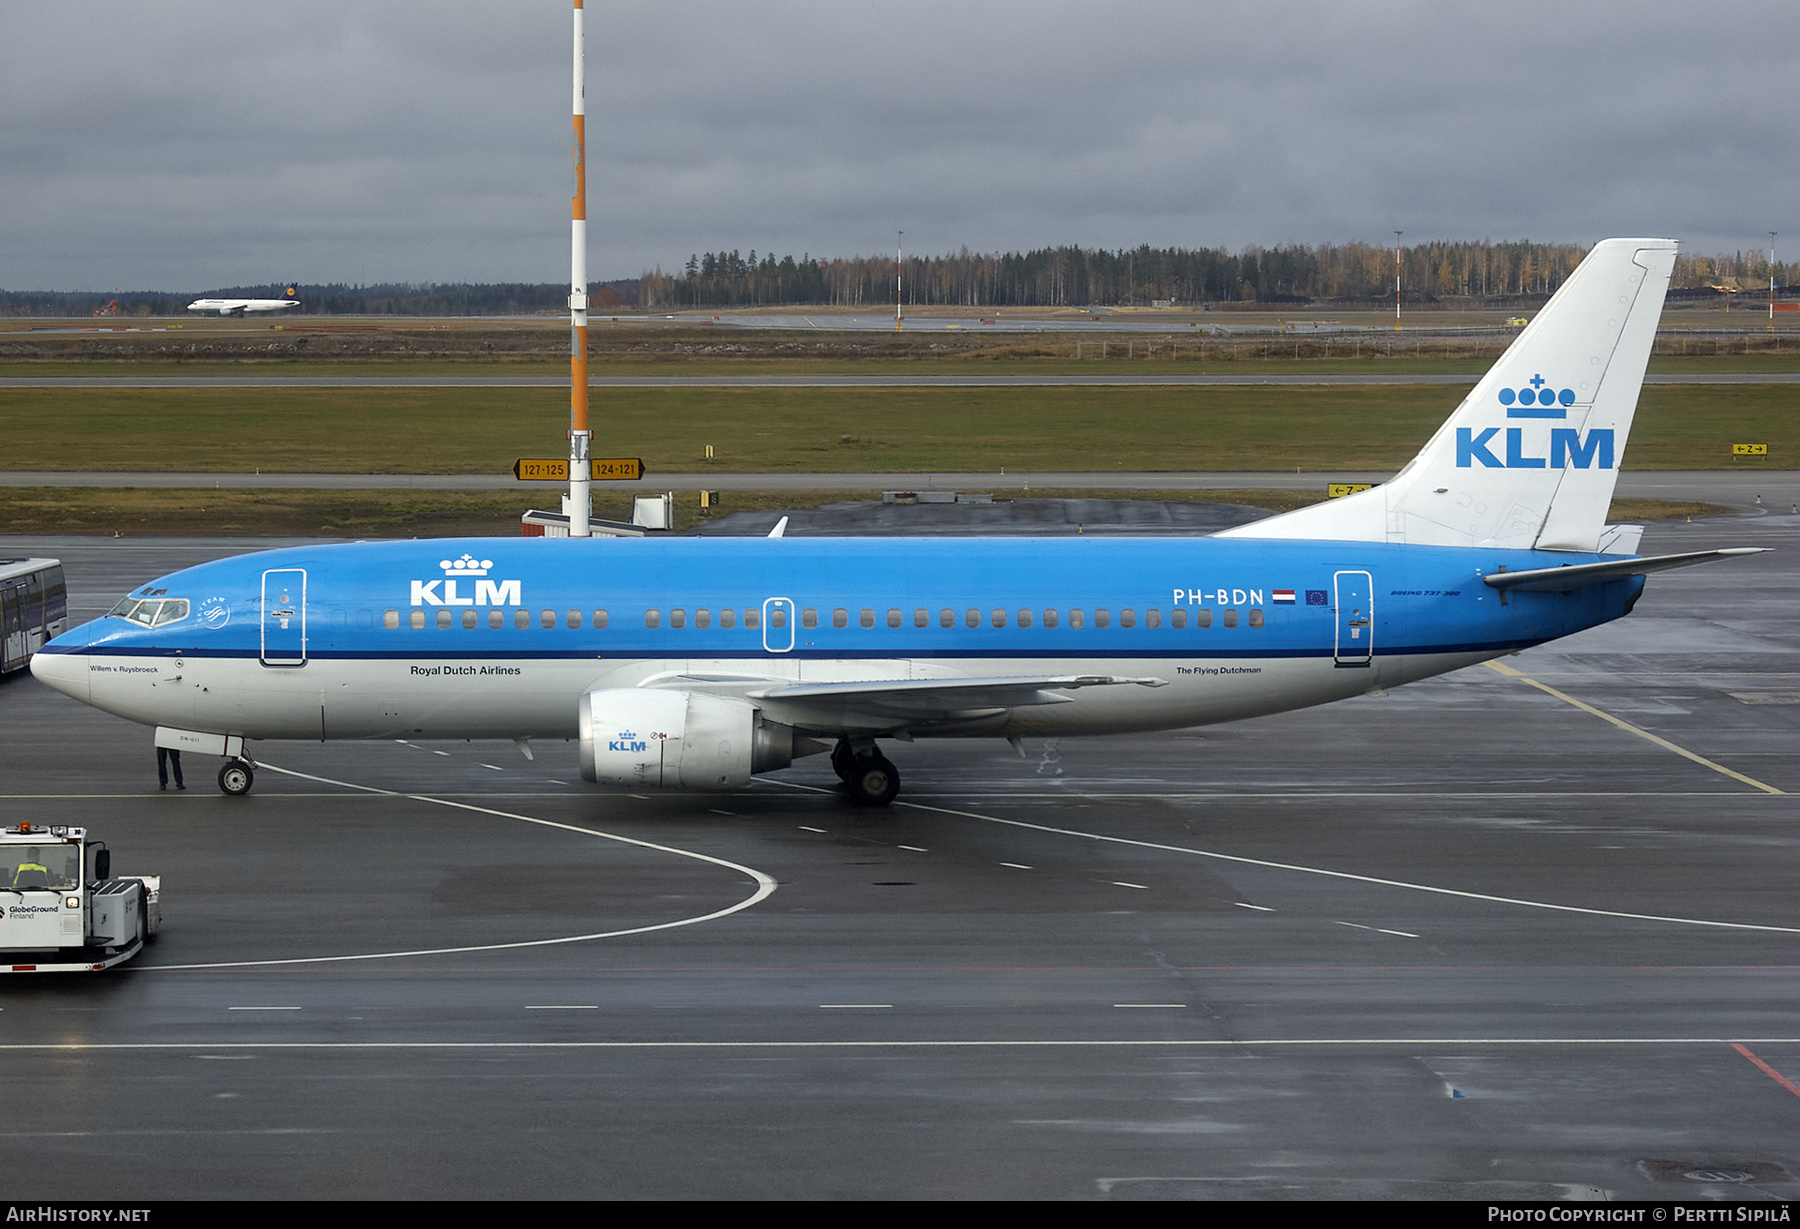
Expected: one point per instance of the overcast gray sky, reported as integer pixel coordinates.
(187, 144)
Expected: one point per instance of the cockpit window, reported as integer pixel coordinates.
(151, 612)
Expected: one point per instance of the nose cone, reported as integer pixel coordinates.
(67, 672)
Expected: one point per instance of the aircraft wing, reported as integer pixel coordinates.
(1574, 576)
(900, 702)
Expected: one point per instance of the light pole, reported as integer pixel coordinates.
(898, 236)
(1397, 235)
(1772, 281)
(580, 472)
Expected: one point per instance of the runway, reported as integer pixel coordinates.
(1100, 380)
(1519, 933)
(1749, 489)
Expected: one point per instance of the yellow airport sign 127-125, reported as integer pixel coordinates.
(1337, 490)
(1749, 450)
(601, 469)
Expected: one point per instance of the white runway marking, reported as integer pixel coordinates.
(765, 886)
(1209, 1043)
(1350, 876)
(1665, 744)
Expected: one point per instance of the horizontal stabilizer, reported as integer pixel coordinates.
(1574, 576)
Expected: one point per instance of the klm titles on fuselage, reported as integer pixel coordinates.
(1567, 445)
(487, 592)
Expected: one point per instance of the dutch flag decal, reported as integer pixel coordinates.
(1284, 597)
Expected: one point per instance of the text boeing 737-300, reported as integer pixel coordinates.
(697, 662)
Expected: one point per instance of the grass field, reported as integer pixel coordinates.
(132, 512)
(996, 362)
(825, 429)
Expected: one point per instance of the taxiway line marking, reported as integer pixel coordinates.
(1765, 1068)
(1350, 876)
(1196, 795)
(1198, 1043)
(765, 886)
(1665, 744)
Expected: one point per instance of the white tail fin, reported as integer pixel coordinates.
(1530, 457)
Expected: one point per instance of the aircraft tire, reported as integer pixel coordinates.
(873, 781)
(842, 760)
(236, 778)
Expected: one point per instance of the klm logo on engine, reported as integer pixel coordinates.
(627, 741)
(487, 592)
(1566, 448)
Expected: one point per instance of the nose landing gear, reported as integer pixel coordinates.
(236, 777)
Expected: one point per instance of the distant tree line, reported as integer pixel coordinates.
(1072, 275)
(1047, 277)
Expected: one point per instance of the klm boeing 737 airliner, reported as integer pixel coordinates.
(695, 663)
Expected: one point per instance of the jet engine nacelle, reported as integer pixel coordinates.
(677, 739)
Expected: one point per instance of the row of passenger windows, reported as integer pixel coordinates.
(809, 618)
(1025, 618)
(497, 619)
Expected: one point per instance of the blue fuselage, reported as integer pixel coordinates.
(500, 637)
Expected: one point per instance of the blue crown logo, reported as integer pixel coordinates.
(1537, 401)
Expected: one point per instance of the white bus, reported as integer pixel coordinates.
(34, 606)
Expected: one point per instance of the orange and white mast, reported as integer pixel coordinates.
(579, 435)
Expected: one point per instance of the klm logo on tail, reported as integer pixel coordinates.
(1549, 403)
(1567, 446)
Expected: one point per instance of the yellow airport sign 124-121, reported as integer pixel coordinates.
(602, 469)
(1749, 450)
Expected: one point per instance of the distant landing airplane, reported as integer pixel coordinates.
(238, 307)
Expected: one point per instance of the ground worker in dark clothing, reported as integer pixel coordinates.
(166, 759)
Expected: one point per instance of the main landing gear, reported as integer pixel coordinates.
(236, 777)
(870, 776)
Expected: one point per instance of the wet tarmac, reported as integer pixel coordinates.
(1518, 933)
